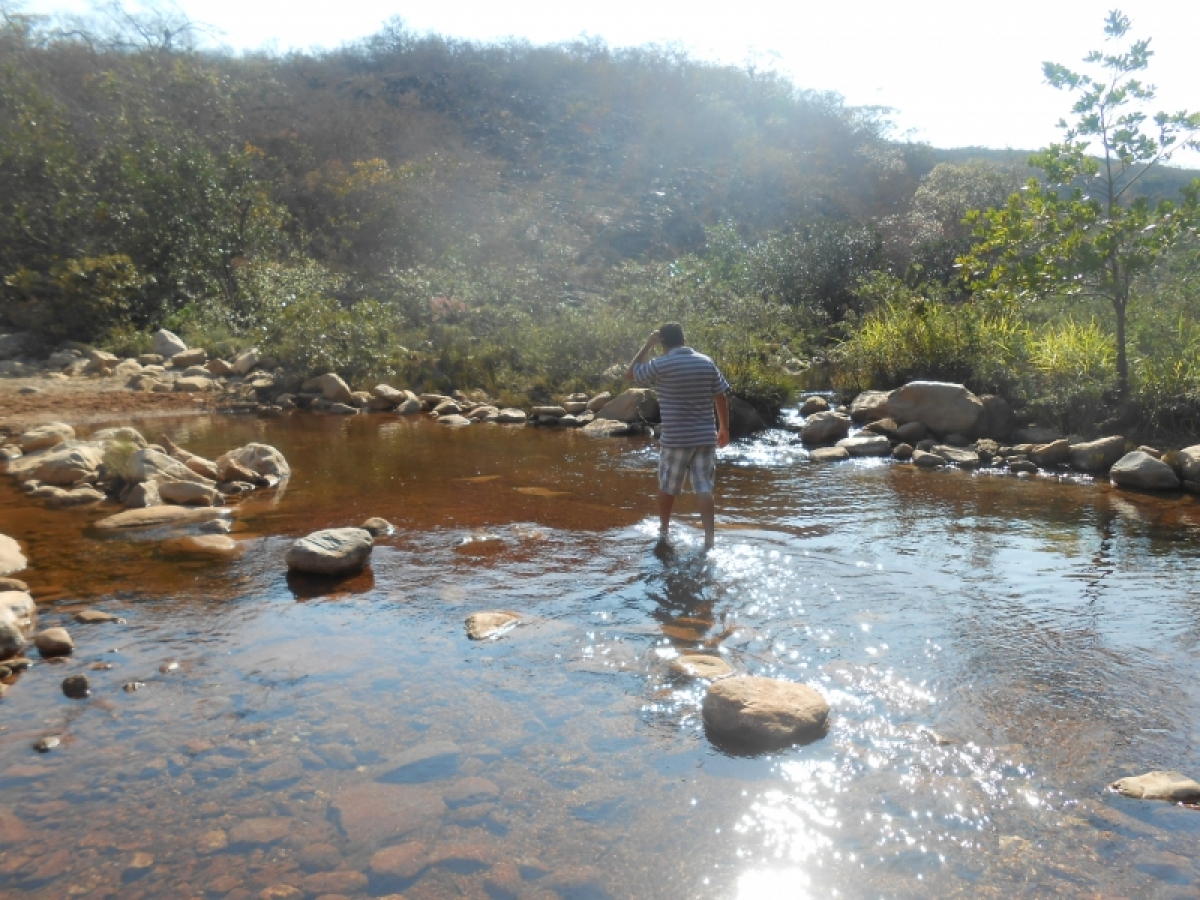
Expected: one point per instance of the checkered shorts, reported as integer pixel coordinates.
(676, 462)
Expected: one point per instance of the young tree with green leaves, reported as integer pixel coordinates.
(1079, 231)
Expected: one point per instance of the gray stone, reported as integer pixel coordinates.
(869, 406)
(85, 495)
(77, 687)
(998, 420)
(194, 384)
(1189, 461)
(149, 464)
(334, 389)
(1162, 785)
(1054, 453)
(866, 445)
(632, 405)
(167, 344)
(1140, 470)
(143, 495)
(120, 435)
(958, 456)
(189, 493)
(1100, 455)
(66, 464)
(378, 527)
(825, 428)
(1022, 466)
(598, 402)
(261, 459)
(196, 356)
(245, 361)
(556, 412)
(410, 407)
(158, 516)
(940, 406)
(813, 405)
(53, 642)
(453, 420)
(912, 432)
(219, 368)
(744, 419)
(902, 452)
(927, 460)
(388, 394)
(764, 712)
(333, 551)
(701, 665)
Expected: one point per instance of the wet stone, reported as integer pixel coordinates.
(53, 642)
(319, 858)
(484, 625)
(260, 830)
(1160, 785)
(94, 617)
(77, 687)
(378, 527)
(48, 743)
(213, 841)
(401, 862)
(281, 892)
(377, 812)
(764, 712)
(132, 686)
(697, 665)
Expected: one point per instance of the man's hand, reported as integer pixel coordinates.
(722, 404)
(655, 338)
(722, 437)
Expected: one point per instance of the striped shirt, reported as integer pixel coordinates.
(686, 382)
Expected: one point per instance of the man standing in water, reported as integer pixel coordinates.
(689, 385)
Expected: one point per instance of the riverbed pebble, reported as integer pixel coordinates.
(53, 642)
(484, 625)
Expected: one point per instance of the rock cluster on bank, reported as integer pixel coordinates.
(938, 424)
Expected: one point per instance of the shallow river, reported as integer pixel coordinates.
(995, 651)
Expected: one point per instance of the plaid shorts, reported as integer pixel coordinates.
(676, 462)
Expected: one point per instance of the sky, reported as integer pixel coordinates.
(956, 72)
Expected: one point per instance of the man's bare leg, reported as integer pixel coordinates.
(666, 502)
(708, 517)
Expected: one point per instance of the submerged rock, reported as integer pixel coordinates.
(94, 617)
(333, 551)
(699, 665)
(484, 625)
(600, 427)
(77, 687)
(1161, 785)
(764, 712)
(1140, 470)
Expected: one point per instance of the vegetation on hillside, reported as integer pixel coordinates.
(513, 217)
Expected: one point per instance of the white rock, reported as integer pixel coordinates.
(166, 344)
(633, 405)
(866, 445)
(260, 458)
(11, 557)
(334, 389)
(940, 406)
(1141, 470)
(869, 406)
(1101, 455)
(44, 436)
(1162, 785)
(825, 428)
(246, 360)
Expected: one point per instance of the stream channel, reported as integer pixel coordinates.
(995, 650)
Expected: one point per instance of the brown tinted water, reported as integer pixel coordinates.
(995, 651)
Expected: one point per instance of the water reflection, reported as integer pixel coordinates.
(995, 651)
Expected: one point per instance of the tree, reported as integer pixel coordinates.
(1079, 231)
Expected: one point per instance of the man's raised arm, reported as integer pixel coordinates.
(642, 354)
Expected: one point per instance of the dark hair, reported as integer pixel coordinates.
(672, 335)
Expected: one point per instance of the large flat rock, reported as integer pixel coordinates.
(160, 515)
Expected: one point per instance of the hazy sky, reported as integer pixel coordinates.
(957, 72)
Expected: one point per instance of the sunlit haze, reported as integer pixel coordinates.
(955, 74)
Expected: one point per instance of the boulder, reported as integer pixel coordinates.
(1100, 455)
(633, 405)
(11, 557)
(44, 436)
(1034, 434)
(813, 405)
(1054, 453)
(828, 454)
(101, 362)
(1141, 470)
(1164, 785)
(866, 445)
(927, 460)
(912, 432)
(998, 420)
(1189, 461)
(127, 368)
(196, 356)
(825, 428)
(245, 361)
(410, 407)
(744, 419)
(262, 459)
(189, 493)
(142, 495)
(334, 389)
(902, 452)
(149, 464)
(333, 551)
(887, 427)
(939, 406)
(869, 406)
(597, 403)
(958, 456)
(150, 359)
(160, 515)
(511, 416)
(764, 712)
(484, 625)
(388, 394)
(65, 464)
(574, 406)
(166, 344)
(219, 368)
(53, 642)
(194, 384)
(556, 412)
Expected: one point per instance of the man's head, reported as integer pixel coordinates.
(671, 335)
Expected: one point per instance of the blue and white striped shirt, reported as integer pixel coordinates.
(686, 382)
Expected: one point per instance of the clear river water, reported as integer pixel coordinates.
(995, 650)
